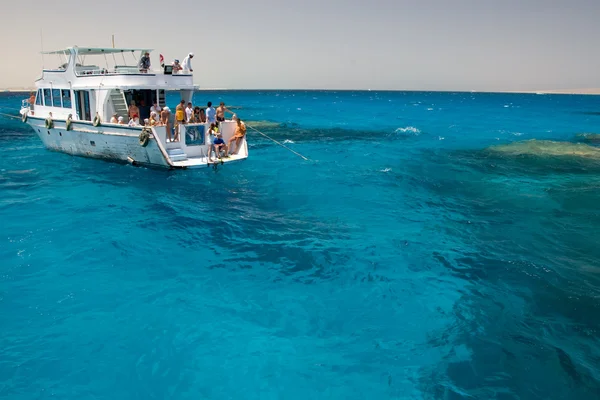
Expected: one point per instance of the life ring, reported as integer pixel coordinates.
(24, 117)
(49, 123)
(69, 123)
(96, 120)
(144, 137)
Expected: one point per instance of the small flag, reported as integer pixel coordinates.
(162, 61)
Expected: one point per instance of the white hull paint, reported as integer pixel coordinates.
(121, 144)
(109, 143)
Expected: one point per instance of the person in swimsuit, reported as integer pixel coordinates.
(179, 118)
(164, 120)
(133, 112)
(221, 112)
(240, 132)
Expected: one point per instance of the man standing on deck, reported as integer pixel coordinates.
(211, 113)
(189, 112)
(187, 63)
(221, 112)
(144, 64)
(155, 108)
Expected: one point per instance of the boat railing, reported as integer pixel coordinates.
(93, 70)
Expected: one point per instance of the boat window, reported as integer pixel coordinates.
(66, 98)
(47, 98)
(56, 98)
(38, 98)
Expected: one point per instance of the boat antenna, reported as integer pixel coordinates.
(42, 44)
(113, 41)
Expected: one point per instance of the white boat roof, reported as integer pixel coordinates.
(95, 50)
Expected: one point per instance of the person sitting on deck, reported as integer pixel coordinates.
(240, 132)
(218, 145)
(133, 112)
(134, 122)
(144, 64)
(114, 119)
(154, 120)
(176, 66)
(187, 63)
(121, 121)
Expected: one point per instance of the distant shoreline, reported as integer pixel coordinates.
(590, 91)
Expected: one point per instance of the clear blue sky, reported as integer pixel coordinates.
(377, 44)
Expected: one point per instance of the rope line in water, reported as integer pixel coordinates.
(280, 144)
(10, 116)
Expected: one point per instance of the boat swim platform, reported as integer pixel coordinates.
(202, 162)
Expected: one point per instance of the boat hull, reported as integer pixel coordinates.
(117, 143)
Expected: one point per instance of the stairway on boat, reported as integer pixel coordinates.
(118, 100)
(176, 154)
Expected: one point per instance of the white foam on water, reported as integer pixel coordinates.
(385, 170)
(430, 109)
(408, 129)
(441, 138)
(288, 141)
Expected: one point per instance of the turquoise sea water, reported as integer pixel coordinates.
(407, 259)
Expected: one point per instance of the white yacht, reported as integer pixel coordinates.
(75, 102)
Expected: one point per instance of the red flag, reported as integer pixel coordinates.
(162, 61)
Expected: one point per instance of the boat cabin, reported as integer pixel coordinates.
(90, 82)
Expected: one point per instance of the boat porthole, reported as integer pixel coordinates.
(38, 131)
(48, 132)
(60, 133)
(92, 143)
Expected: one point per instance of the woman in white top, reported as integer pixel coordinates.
(114, 119)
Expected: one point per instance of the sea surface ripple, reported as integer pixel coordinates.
(435, 246)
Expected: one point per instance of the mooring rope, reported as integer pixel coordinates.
(280, 144)
(10, 116)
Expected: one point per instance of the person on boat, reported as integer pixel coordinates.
(210, 138)
(121, 121)
(211, 113)
(189, 112)
(196, 115)
(221, 112)
(114, 119)
(179, 118)
(187, 63)
(144, 64)
(218, 145)
(165, 116)
(31, 101)
(155, 108)
(176, 66)
(240, 132)
(133, 112)
(202, 115)
(154, 120)
(134, 122)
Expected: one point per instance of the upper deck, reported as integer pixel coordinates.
(89, 68)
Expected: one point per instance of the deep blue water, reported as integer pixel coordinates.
(406, 259)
